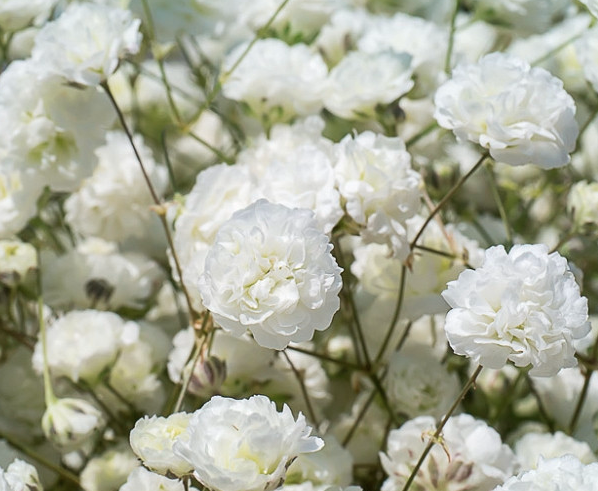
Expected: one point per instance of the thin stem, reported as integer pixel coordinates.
(299, 376)
(49, 396)
(358, 419)
(555, 50)
(417, 137)
(210, 147)
(451, 40)
(40, 459)
(447, 197)
(446, 254)
(499, 204)
(378, 385)
(324, 357)
(156, 199)
(439, 428)
(395, 316)
(584, 390)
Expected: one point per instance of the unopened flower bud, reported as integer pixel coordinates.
(69, 422)
(208, 376)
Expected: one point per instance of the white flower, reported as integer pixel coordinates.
(109, 470)
(18, 14)
(271, 271)
(20, 476)
(582, 203)
(18, 201)
(152, 440)
(85, 44)
(587, 51)
(533, 447)
(16, 258)
(49, 130)
(565, 473)
(275, 80)
(114, 203)
(472, 456)
(244, 445)
(381, 190)
(592, 6)
(82, 344)
(523, 306)
(361, 81)
(143, 480)
(521, 114)
(69, 423)
(417, 384)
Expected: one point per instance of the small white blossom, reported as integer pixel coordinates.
(582, 203)
(592, 6)
(472, 456)
(381, 190)
(20, 476)
(565, 473)
(143, 480)
(152, 440)
(109, 470)
(587, 51)
(271, 271)
(361, 81)
(85, 44)
(523, 306)
(18, 14)
(277, 81)
(244, 445)
(521, 114)
(533, 447)
(16, 258)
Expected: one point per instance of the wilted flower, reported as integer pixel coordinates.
(271, 271)
(244, 445)
(521, 114)
(152, 440)
(68, 423)
(523, 306)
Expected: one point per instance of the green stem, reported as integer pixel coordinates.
(49, 396)
(440, 426)
(451, 40)
(358, 419)
(417, 137)
(500, 205)
(299, 377)
(447, 197)
(324, 357)
(584, 390)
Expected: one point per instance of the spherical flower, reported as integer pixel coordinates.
(69, 423)
(361, 81)
(382, 191)
(152, 440)
(565, 473)
(244, 445)
(521, 114)
(471, 456)
(523, 306)
(275, 80)
(20, 476)
(271, 271)
(85, 44)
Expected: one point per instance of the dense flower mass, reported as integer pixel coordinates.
(523, 306)
(520, 114)
(244, 445)
(270, 270)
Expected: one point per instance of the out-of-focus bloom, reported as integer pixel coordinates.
(16, 259)
(143, 480)
(533, 447)
(82, 344)
(152, 440)
(472, 456)
(69, 423)
(592, 6)
(86, 43)
(582, 203)
(361, 81)
(271, 271)
(244, 445)
(277, 81)
(587, 50)
(565, 473)
(381, 190)
(18, 14)
(109, 470)
(521, 114)
(20, 476)
(523, 306)
(114, 203)
(18, 199)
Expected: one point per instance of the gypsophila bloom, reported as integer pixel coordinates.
(582, 204)
(143, 480)
(244, 445)
(16, 259)
(152, 440)
(586, 49)
(565, 473)
(18, 14)
(592, 6)
(109, 470)
(69, 423)
(277, 81)
(363, 80)
(472, 456)
(520, 114)
(271, 271)
(523, 306)
(382, 191)
(20, 476)
(533, 447)
(86, 43)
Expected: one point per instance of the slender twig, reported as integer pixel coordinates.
(451, 39)
(299, 376)
(446, 254)
(499, 204)
(425, 131)
(323, 357)
(434, 438)
(584, 390)
(358, 419)
(447, 197)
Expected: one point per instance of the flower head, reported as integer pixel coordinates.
(523, 306)
(244, 445)
(270, 270)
